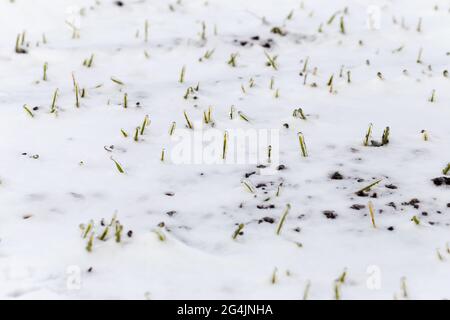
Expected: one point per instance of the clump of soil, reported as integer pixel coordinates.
(267, 219)
(441, 181)
(171, 213)
(250, 174)
(392, 204)
(413, 202)
(330, 214)
(268, 206)
(336, 176)
(357, 206)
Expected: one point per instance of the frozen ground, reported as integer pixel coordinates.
(56, 170)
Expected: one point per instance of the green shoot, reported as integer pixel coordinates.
(88, 229)
(124, 133)
(290, 15)
(283, 219)
(90, 243)
(88, 62)
(125, 100)
(298, 113)
(160, 234)
(272, 82)
(425, 135)
(243, 116)
(446, 169)
(77, 96)
(146, 27)
(330, 81)
(301, 140)
(203, 32)
(337, 290)
(163, 154)
(415, 220)
(172, 128)
(104, 234)
(305, 65)
(189, 91)
(232, 111)
(368, 134)
(271, 61)
(419, 56)
(273, 280)
(53, 106)
(145, 123)
(182, 74)
(277, 194)
(370, 186)
(331, 19)
(306, 291)
(232, 60)
(341, 25)
(118, 233)
(439, 255)
(404, 288)
(28, 111)
(433, 96)
(208, 115)
(136, 134)
(188, 122)
(372, 214)
(44, 77)
(238, 231)
(208, 54)
(225, 142)
(18, 48)
(118, 166)
(248, 186)
(117, 81)
(342, 277)
(385, 137)
(419, 25)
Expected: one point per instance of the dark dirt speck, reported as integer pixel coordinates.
(265, 207)
(337, 176)
(330, 214)
(267, 219)
(413, 202)
(441, 181)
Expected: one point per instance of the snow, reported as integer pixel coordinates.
(73, 180)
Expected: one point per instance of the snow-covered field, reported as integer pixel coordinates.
(388, 62)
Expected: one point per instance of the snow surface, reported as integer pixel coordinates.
(44, 199)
